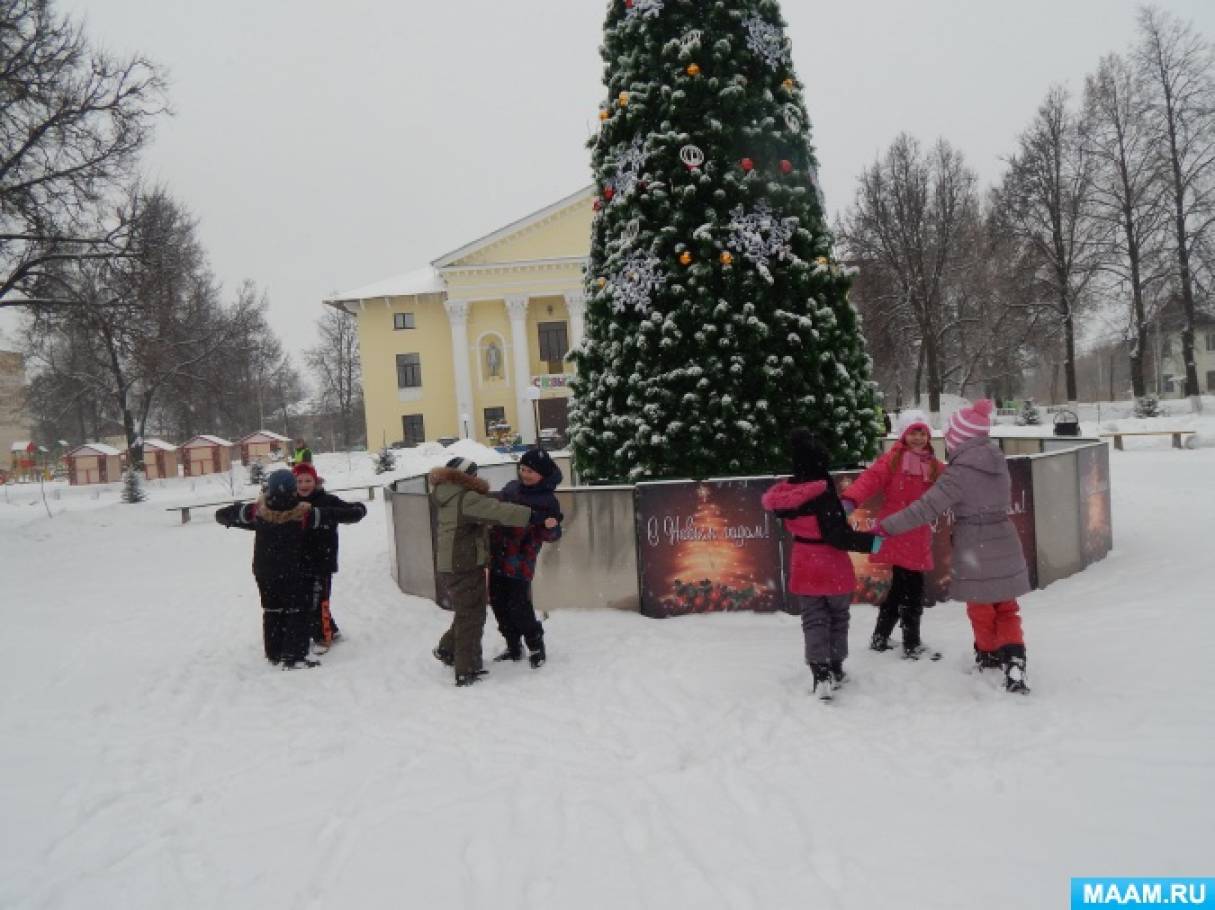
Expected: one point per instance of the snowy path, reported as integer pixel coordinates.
(152, 759)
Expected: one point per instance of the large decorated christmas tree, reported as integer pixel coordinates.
(717, 317)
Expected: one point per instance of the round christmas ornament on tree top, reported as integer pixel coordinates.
(693, 69)
(686, 369)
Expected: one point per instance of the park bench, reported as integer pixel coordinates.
(185, 510)
(1176, 434)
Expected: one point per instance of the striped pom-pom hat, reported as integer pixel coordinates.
(968, 423)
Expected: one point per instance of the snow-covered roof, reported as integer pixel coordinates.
(425, 280)
(268, 435)
(21, 445)
(202, 440)
(514, 227)
(99, 448)
(159, 444)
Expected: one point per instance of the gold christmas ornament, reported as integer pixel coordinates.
(726, 257)
(823, 261)
(602, 282)
(685, 258)
(693, 69)
(603, 115)
(623, 98)
(789, 85)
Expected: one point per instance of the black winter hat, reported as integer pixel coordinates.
(810, 458)
(539, 461)
(280, 490)
(464, 466)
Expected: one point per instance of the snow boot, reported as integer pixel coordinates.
(467, 679)
(305, 664)
(537, 657)
(1012, 658)
(514, 651)
(880, 642)
(909, 619)
(822, 681)
(445, 657)
(838, 676)
(987, 660)
(888, 616)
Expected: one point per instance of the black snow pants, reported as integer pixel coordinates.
(511, 599)
(286, 618)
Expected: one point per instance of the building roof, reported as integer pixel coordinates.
(425, 280)
(206, 440)
(99, 448)
(159, 444)
(22, 445)
(269, 435)
(429, 279)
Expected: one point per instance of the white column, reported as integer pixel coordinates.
(575, 303)
(516, 309)
(457, 315)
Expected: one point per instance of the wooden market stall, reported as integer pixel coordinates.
(160, 459)
(93, 462)
(206, 455)
(261, 445)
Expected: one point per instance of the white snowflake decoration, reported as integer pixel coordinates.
(759, 236)
(646, 9)
(793, 118)
(691, 40)
(639, 277)
(630, 231)
(629, 167)
(767, 40)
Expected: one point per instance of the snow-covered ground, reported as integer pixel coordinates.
(151, 758)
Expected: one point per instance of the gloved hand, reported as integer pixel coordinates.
(877, 544)
(849, 506)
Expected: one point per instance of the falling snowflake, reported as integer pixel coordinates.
(759, 236)
(767, 40)
(629, 166)
(646, 9)
(639, 276)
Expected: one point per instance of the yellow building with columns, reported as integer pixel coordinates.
(478, 337)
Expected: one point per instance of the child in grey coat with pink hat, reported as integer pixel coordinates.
(989, 570)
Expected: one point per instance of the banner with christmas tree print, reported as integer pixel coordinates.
(717, 312)
(707, 547)
(1096, 523)
(873, 577)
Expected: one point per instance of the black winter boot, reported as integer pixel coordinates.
(822, 680)
(445, 657)
(514, 651)
(537, 657)
(909, 618)
(1013, 659)
(888, 616)
(987, 660)
(837, 674)
(467, 679)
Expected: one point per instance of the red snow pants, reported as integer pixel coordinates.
(995, 625)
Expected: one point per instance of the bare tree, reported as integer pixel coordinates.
(1046, 200)
(141, 323)
(907, 220)
(338, 371)
(71, 124)
(1179, 66)
(1128, 193)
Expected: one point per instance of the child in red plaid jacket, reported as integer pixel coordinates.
(513, 557)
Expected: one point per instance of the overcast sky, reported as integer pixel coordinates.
(324, 146)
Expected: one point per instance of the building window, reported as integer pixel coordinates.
(1168, 383)
(1211, 382)
(554, 345)
(414, 429)
(1211, 341)
(409, 371)
(493, 416)
(403, 321)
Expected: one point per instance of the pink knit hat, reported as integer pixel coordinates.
(968, 423)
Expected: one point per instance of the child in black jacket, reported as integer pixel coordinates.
(282, 526)
(321, 550)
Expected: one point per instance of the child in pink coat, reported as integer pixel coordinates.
(902, 475)
(821, 579)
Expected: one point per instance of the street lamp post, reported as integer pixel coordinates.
(532, 393)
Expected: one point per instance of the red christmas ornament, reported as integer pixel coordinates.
(628, 4)
(747, 165)
(786, 166)
(597, 204)
(608, 193)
